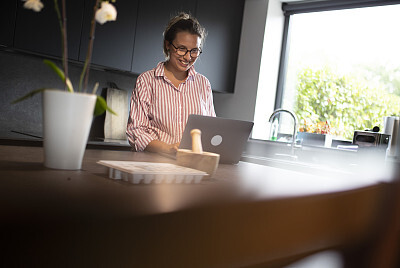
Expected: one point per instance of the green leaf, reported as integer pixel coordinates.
(348, 103)
(101, 107)
(60, 73)
(29, 95)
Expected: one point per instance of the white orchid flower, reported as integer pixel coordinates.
(35, 5)
(107, 12)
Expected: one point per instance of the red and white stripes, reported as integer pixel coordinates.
(159, 110)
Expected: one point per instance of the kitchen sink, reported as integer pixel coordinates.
(313, 159)
(294, 165)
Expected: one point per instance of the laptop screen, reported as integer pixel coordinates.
(226, 137)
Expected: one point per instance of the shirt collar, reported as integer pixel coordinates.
(159, 71)
(192, 72)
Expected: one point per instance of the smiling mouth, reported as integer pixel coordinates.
(185, 63)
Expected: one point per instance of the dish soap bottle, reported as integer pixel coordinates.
(274, 130)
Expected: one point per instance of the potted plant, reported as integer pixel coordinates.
(316, 134)
(68, 113)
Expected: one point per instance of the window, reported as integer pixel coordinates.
(341, 66)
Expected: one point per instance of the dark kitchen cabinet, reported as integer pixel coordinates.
(220, 52)
(39, 32)
(152, 20)
(7, 22)
(133, 42)
(114, 40)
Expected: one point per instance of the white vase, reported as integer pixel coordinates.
(67, 118)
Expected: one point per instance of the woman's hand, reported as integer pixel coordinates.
(157, 146)
(170, 148)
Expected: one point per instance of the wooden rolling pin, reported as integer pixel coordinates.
(196, 158)
(197, 147)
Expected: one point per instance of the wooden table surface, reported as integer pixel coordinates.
(248, 216)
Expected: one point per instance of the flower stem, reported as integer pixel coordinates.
(86, 66)
(62, 19)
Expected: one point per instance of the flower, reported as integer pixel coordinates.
(103, 12)
(35, 5)
(107, 12)
(319, 128)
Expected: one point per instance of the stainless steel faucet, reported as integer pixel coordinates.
(277, 111)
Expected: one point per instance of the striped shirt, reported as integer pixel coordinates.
(159, 110)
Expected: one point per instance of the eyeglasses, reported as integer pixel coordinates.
(182, 51)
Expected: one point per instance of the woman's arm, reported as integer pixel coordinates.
(138, 128)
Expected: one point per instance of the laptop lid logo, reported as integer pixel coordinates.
(216, 140)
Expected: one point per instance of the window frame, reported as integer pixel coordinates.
(292, 8)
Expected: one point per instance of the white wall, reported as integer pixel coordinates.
(269, 69)
(258, 62)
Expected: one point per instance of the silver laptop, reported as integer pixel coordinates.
(226, 137)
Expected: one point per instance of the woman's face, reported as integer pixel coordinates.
(183, 40)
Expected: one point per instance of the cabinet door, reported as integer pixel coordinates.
(39, 32)
(7, 22)
(152, 19)
(113, 45)
(220, 52)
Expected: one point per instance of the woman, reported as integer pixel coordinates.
(165, 96)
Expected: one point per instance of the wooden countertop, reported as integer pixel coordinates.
(249, 215)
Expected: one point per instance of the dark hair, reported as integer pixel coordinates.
(183, 22)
